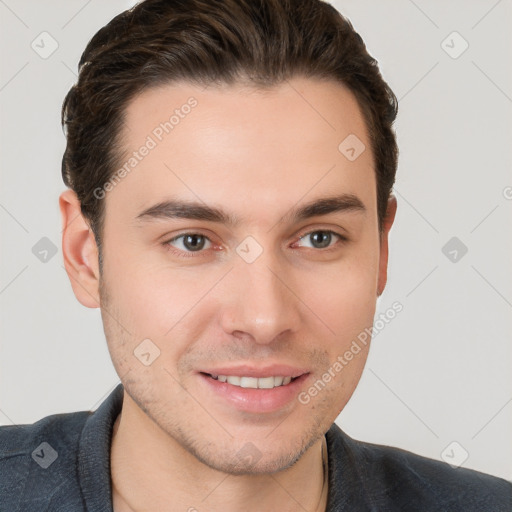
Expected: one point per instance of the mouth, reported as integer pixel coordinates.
(254, 382)
(254, 390)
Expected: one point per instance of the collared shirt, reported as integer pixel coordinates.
(62, 464)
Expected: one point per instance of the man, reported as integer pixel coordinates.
(230, 167)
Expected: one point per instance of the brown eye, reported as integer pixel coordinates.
(194, 242)
(189, 242)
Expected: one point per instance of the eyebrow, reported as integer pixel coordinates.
(193, 210)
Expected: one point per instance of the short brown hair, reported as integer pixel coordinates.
(260, 42)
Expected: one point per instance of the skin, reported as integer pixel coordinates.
(257, 155)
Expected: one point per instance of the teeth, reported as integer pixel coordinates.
(233, 380)
(278, 381)
(249, 382)
(266, 382)
(253, 382)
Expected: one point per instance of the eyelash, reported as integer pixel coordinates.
(193, 254)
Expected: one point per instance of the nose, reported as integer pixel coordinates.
(261, 304)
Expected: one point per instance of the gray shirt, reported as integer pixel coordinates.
(62, 464)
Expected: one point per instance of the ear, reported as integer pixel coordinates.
(79, 250)
(383, 261)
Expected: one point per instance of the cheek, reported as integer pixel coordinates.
(344, 295)
(156, 300)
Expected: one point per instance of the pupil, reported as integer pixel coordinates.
(194, 242)
(321, 239)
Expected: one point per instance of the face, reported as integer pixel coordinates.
(241, 249)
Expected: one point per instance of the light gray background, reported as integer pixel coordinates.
(440, 371)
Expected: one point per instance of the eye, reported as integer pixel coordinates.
(320, 239)
(190, 242)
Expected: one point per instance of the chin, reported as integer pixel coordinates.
(245, 458)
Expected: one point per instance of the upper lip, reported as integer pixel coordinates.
(275, 370)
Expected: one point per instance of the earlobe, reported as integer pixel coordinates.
(384, 249)
(79, 250)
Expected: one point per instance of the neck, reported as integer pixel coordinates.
(151, 471)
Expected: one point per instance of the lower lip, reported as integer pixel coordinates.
(256, 400)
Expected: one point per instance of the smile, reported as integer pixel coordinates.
(254, 390)
(254, 382)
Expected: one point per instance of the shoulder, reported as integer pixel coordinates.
(406, 481)
(38, 461)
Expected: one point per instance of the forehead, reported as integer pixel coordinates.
(267, 145)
